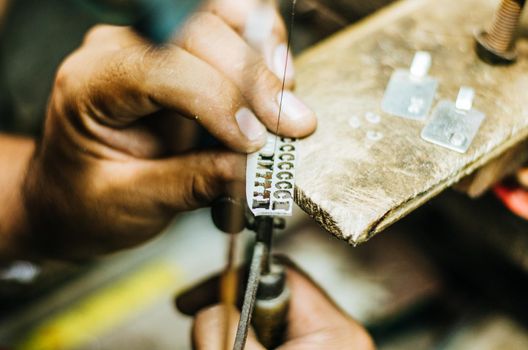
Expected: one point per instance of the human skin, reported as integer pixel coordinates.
(114, 164)
(314, 322)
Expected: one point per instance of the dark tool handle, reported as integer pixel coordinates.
(229, 214)
(271, 307)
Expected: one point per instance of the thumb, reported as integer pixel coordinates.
(192, 180)
(215, 329)
(315, 321)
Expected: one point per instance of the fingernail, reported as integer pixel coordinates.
(294, 108)
(249, 125)
(282, 59)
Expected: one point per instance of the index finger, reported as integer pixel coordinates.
(261, 25)
(126, 80)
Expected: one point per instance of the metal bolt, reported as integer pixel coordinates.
(497, 46)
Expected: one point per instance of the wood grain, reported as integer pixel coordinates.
(355, 187)
(476, 184)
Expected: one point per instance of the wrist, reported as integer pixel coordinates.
(54, 205)
(41, 206)
(16, 154)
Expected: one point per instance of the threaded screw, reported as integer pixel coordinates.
(497, 46)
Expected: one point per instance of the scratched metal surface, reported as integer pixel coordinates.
(355, 183)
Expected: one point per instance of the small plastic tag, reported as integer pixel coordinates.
(270, 177)
(410, 93)
(465, 98)
(454, 125)
(421, 64)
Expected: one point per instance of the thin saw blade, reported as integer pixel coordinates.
(270, 172)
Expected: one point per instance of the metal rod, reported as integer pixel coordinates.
(250, 295)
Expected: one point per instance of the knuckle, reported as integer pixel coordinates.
(196, 21)
(205, 185)
(205, 19)
(223, 94)
(221, 167)
(111, 37)
(228, 97)
(124, 66)
(63, 74)
(265, 80)
(279, 28)
(96, 33)
(202, 190)
(67, 77)
(192, 34)
(229, 166)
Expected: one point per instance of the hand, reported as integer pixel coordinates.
(314, 322)
(115, 162)
(259, 23)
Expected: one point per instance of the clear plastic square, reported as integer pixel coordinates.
(453, 128)
(408, 96)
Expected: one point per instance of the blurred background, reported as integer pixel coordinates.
(453, 275)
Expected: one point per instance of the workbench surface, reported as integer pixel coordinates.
(356, 177)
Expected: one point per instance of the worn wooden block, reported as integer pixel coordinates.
(481, 180)
(355, 186)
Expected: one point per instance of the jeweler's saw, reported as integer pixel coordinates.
(270, 172)
(270, 182)
(270, 178)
